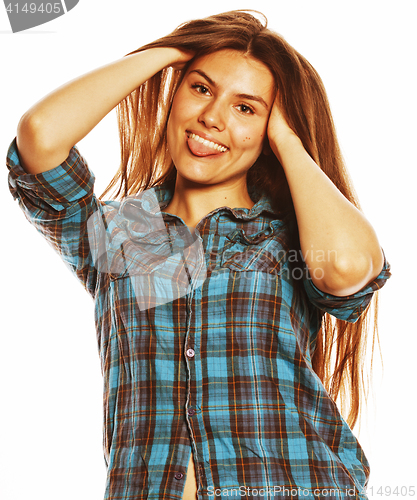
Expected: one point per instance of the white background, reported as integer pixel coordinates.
(51, 386)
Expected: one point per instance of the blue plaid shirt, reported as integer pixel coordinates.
(212, 358)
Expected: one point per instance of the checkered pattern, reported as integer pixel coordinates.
(223, 370)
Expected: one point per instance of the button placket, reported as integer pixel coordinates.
(192, 410)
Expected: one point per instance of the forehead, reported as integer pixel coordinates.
(235, 72)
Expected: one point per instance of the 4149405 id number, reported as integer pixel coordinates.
(32, 8)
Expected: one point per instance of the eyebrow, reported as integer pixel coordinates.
(249, 97)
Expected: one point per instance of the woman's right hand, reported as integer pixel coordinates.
(183, 57)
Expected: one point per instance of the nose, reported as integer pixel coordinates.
(212, 116)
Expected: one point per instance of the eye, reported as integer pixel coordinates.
(245, 109)
(200, 88)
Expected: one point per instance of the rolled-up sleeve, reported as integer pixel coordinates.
(350, 307)
(58, 203)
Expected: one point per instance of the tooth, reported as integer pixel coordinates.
(210, 144)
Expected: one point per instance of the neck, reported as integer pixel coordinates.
(193, 201)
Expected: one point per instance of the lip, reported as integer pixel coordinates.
(205, 136)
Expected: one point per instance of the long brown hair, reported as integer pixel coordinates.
(340, 349)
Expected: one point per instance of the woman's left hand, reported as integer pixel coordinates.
(278, 131)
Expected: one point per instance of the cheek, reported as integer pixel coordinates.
(172, 135)
(252, 140)
(182, 107)
(251, 135)
(174, 119)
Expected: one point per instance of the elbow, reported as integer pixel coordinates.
(36, 150)
(31, 133)
(349, 274)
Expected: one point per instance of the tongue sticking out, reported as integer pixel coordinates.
(199, 149)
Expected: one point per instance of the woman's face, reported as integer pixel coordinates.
(224, 100)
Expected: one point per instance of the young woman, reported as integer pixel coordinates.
(232, 279)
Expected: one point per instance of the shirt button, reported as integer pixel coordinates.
(191, 411)
(179, 475)
(190, 353)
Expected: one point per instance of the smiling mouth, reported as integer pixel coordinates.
(202, 147)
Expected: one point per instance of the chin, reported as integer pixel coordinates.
(196, 174)
(195, 179)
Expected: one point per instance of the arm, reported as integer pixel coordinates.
(44, 138)
(338, 243)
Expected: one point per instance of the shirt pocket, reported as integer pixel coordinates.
(264, 251)
(154, 266)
